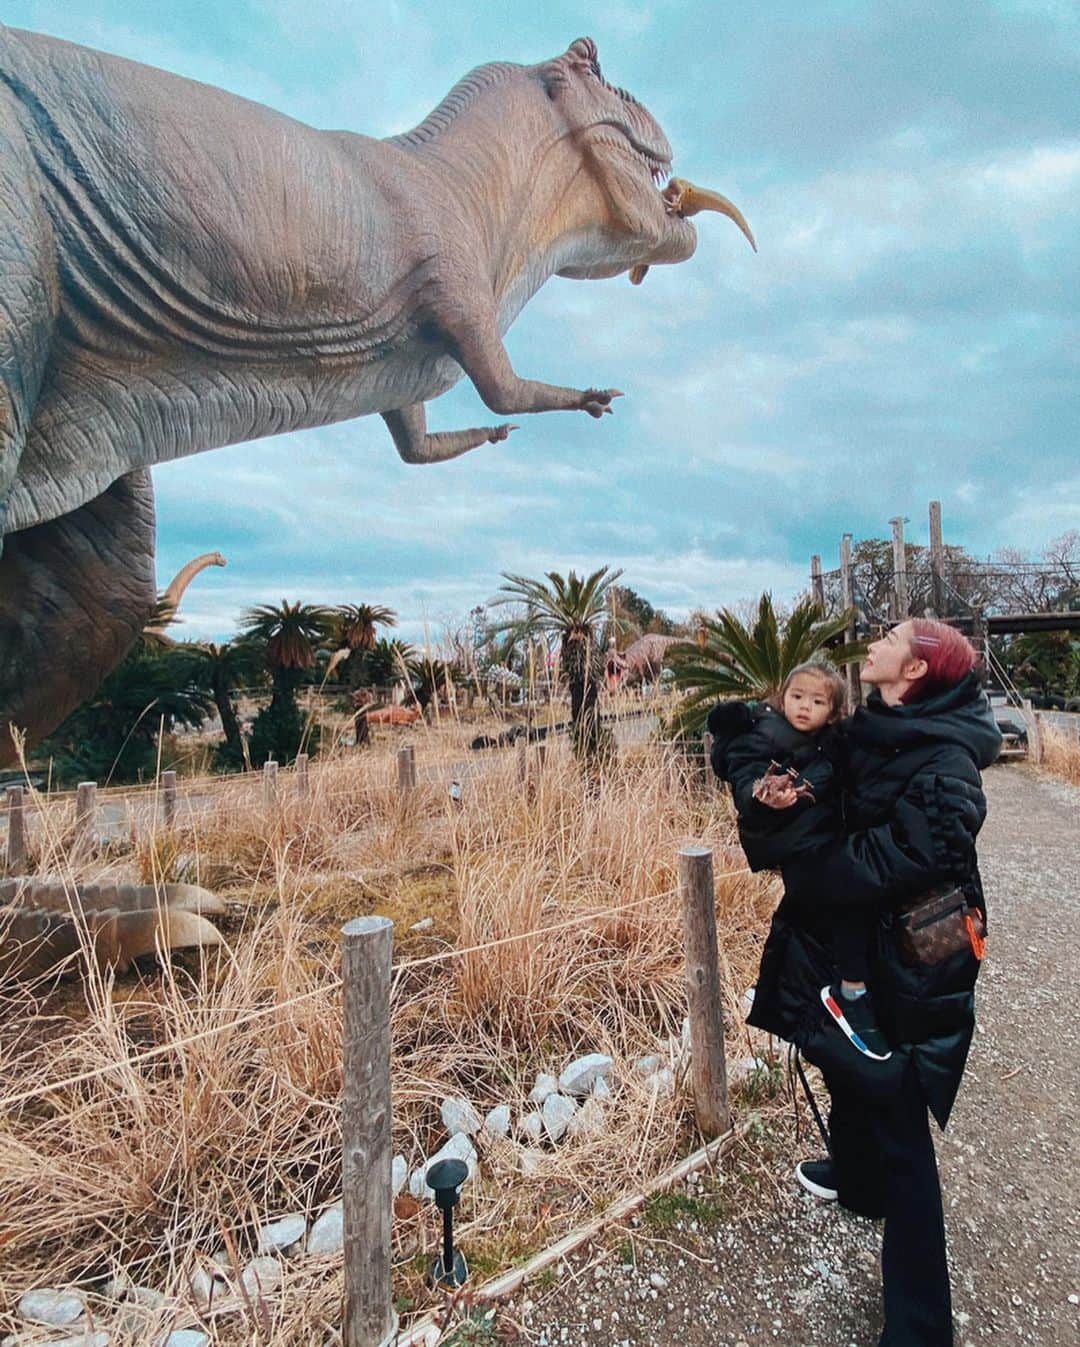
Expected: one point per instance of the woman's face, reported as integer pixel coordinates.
(890, 664)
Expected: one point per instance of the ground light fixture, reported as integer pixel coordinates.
(446, 1177)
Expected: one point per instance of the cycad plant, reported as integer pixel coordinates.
(731, 659)
(354, 627)
(575, 610)
(289, 636)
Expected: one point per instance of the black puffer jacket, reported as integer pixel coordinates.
(913, 805)
(773, 837)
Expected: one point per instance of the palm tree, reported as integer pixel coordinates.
(289, 636)
(388, 661)
(354, 631)
(220, 669)
(730, 659)
(574, 610)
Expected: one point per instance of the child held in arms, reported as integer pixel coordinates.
(779, 758)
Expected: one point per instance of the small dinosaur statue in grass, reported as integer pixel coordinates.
(186, 269)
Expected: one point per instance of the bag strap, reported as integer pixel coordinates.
(813, 1103)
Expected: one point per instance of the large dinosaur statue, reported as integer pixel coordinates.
(174, 592)
(183, 269)
(638, 663)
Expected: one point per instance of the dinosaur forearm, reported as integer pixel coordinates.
(408, 426)
(478, 348)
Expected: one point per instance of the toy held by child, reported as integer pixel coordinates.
(780, 760)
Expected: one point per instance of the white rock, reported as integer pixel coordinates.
(657, 1281)
(532, 1125)
(459, 1147)
(87, 1339)
(662, 1082)
(327, 1234)
(205, 1283)
(532, 1161)
(186, 1337)
(647, 1066)
(222, 1258)
(261, 1275)
(580, 1076)
(588, 1120)
(497, 1122)
(146, 1296)
(601, 1089)
(282, 1234)
(424, 924)
(458, 1115)
(399, 1171)
(544, 1086)
(49, 1306)
(558, 1110)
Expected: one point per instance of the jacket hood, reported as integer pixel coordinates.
(960, 715)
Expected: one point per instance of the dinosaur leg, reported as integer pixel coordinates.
(74, 595)
(29, 293)
(477, 347)
(408, 426)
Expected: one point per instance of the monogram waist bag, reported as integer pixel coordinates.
(937, 925)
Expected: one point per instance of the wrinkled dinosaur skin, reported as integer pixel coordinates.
(182, 269)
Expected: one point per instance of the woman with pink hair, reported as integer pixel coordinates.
(912, 807)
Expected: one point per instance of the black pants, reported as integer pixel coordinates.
(852, 929)
(886, 1167)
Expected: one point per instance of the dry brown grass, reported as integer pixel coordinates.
(156, 1165)
(1061, 754)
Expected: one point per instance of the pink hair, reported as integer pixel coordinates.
(949, 657)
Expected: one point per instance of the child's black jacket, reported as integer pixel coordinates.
(747, 738)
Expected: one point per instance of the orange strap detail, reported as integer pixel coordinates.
(978, 944)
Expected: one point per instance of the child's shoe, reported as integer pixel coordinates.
(856, 1019)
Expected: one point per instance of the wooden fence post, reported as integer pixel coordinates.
(703, 991)
(85, 814)
(522, 759)
(901, 603)
(817, 584)
(16, 838)
(847, 598)
(937, 559)
(366, 947)
(270, 794)
(303, 783)
(406, 769)
(168, 796)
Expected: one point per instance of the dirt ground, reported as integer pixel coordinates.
(749, 1259)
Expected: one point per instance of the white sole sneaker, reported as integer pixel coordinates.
(818, 1189)
(841, 1021)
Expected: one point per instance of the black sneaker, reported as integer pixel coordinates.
(857, 1021)
(818, 1177)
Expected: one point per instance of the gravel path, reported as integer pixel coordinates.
(751, 1260)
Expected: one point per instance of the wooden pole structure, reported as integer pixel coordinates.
(406, 769)
(937, 559)
(847, 598)
(366, 947)
(703, 991)
(16, 838)
(303, 783)
(85, 812)
(901, 605)
(522, 759)
(817, 584)
(168, 798)
(270, 769)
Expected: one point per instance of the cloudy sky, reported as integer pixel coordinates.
(907, 331)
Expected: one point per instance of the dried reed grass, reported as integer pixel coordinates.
(1061, 754)
(154, 1165)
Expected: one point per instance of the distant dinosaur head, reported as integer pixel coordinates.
(627, 159)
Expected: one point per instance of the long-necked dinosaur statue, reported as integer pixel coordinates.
(184, 269)
(174, 592)
(46, 926)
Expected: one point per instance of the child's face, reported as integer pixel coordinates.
(807, 703)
